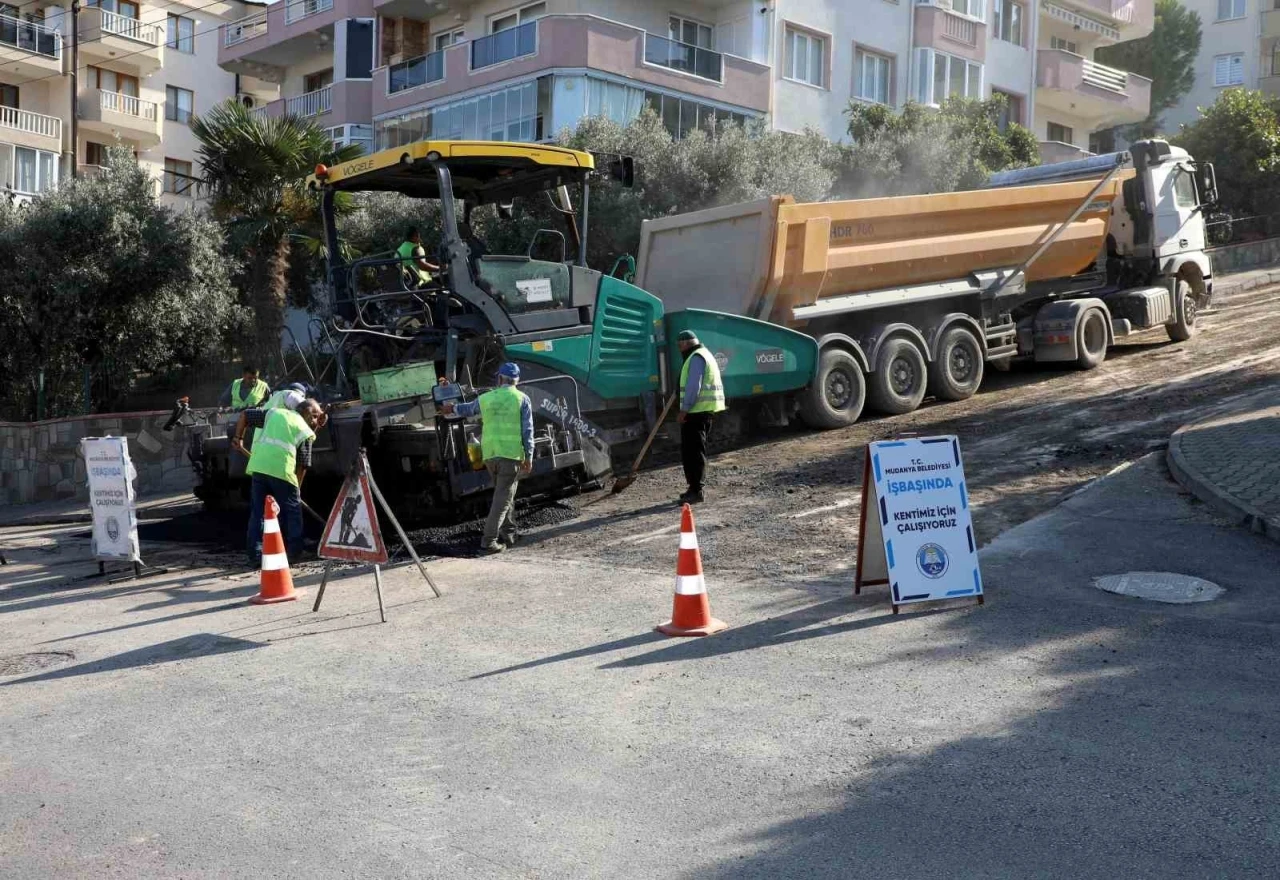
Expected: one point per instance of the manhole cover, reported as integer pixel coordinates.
(1160, 586)
(19, 664)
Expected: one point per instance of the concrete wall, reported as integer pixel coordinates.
(1248, 255)
(41, 461)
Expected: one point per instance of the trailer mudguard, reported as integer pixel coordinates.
(755, 357)
(1055, 325)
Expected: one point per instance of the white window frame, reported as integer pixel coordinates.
(1236, 10)
(1062, 45)
(1234, 75)
(173, 33)
(176, 91)
(1068, 129)
(453, 38)
(1000, 16)
(975, 9)
(699, 26)
(42, 185)
(883, 64)
(519, 13)
(927, 59)
(791, 36)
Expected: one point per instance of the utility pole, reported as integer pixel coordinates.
(75, 90)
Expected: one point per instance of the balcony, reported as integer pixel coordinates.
(343, 103)
(573, 42)
(26, 129)
(107, 36)
(267, 43)
(39, 49)
(123, 116)
(1132, 19)
(1096, 95)
(310, 104)
(938, 27)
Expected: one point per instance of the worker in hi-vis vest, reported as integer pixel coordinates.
(279, 460)
(506, 444)
(413, 260)
(701, 397)
(247, 391)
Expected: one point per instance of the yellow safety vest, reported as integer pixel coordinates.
(409, 253)
(275, 449)
(500, 420)
(711, 392)
(250, 400)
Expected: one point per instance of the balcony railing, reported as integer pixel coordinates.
(296, 10)
(245, 29)
(505, 45)
(30, 37)
(674, 55)
(962, 30)
(1103, 77)
(131, 28)
(128, 105)
(310, 104)
(31, 123)
(415, 72)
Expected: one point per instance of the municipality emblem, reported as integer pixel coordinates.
(113, 529)
(932, 561)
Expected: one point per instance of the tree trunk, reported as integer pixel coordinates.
(270, 292)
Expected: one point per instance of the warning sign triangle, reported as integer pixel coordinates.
(352, 532)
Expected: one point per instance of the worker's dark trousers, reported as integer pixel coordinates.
(290, 501)
(693, 448)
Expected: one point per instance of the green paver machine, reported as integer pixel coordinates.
(595, 351)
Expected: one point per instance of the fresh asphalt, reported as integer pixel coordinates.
(530, 724)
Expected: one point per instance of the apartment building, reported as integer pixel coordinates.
(144, 70)
(396, 71)
(1239, 47)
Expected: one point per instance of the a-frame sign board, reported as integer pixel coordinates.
(352, 533)
(915, 533)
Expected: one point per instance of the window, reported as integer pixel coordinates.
(447, 39)
(314, 82)
(1229, 9)
(178, 179)
(1012, 112)
(694, 33)
(8, 96)
(110, 81)
(873, 74)
(1228, 70)
(524, 15)
(127, 8)
(1008, 21)
(806, 58)
(1184, 189)
(973, 8)
(178, 104)
(1061, 133)
(945, 76)
(35, 171)
(182, 34)
(1065, 45)
(95, 154)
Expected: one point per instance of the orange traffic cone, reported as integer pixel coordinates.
(691, 611)
(276, 579)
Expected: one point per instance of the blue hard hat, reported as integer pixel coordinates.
(298, 387)
(510, 371)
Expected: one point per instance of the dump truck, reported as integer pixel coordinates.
(914, 295)
(597, 353)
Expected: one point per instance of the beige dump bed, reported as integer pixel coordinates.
(767, 257)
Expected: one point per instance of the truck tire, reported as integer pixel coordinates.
(1184, 327)
(836, 397)
(898, 384)
(956, 371)
(1091, 340)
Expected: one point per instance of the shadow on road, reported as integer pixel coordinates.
(186, 648)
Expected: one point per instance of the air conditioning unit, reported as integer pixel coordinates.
(248, 101)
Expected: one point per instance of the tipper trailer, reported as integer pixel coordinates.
(913, 295)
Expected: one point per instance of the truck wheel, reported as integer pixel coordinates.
(898, 384)
(1185, 326)
(956, 371)
(1091, 340)
(837, 394)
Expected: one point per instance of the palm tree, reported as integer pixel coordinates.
(256, 168)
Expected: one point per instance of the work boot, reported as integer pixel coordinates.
(492, 548)
(692, 497)
(510, 540)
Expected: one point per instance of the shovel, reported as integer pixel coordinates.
(623, 482)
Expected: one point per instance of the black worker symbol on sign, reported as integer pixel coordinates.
(348, 533)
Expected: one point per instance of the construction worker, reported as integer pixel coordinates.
(701, 397)
(506, 443)
(279, 461)
(413, 260)
(245, 392)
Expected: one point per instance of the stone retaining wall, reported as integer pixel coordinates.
(1245, 256)
(41, 461)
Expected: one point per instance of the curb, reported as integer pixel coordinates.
(1266, 279)
(1241, 512)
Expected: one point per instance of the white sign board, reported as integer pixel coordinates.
(535, 290)
(111, 475)
(916, 508)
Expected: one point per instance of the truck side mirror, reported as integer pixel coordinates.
(1208, 186)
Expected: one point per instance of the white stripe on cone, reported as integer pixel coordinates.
(274, 561)
(271, 526)
(686, 584)
(688, 540)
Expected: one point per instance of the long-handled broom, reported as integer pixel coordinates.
(623, 482)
